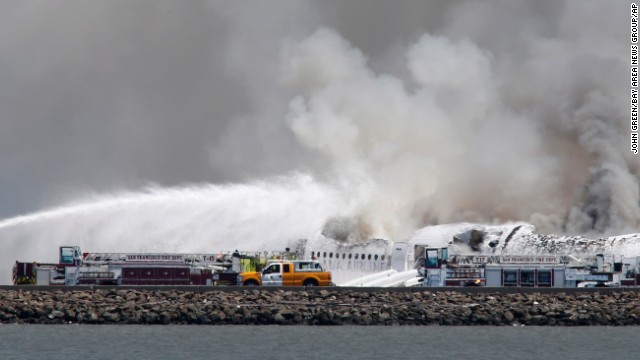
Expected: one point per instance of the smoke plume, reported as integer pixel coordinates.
(459, 145)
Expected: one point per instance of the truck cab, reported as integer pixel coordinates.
(70, 256)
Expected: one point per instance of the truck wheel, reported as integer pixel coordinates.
(310, 282)
(250, 283)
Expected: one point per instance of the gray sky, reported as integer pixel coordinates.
(104, 96)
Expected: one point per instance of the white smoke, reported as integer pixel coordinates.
(458, 146)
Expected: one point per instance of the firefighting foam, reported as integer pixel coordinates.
(251, 217)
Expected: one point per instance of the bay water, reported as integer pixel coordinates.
(137, 342)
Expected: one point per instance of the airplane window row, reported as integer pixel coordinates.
(330, 255)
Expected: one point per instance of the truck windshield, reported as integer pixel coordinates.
(66, 255)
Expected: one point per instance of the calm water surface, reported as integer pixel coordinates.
(305, 342)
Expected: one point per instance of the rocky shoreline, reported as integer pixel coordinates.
(317, 307)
